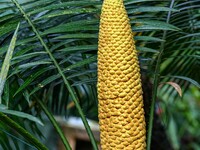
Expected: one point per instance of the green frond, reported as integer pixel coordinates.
(67, 31)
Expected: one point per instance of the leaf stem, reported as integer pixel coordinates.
(156, 82)
(55, 124)
(71, 91)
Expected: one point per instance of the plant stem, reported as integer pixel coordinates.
(71, 91)
(30, 138)
(156, 81)
(55, 124)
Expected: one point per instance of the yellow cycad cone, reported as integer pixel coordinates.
(121, 114)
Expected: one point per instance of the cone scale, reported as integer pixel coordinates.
(121, 114)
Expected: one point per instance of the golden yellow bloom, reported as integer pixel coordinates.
(121, 114)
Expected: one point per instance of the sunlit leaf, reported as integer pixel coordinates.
(6, 63)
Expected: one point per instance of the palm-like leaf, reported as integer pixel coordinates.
(69, 29)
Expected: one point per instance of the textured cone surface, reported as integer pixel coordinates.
(121, 114)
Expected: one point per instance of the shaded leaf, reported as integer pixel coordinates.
(31, 78)
(82, 36)
(22, 115)
(32, 64)
(146, 49)
(67, 12)
(150, 9)
(187, 79)
(147, 38)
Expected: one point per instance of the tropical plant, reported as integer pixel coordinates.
(53, 65)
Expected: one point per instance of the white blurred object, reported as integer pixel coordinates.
(76, 122)
(74, 129)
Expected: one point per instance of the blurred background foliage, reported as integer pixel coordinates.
(167, 36)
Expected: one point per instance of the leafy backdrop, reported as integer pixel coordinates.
(53, 66)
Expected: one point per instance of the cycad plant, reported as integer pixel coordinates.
(50, 48)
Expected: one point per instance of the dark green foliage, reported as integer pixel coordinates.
(69, 29)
